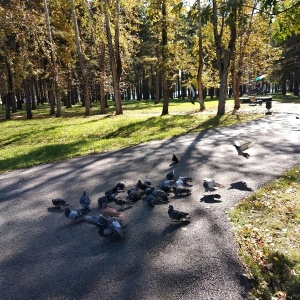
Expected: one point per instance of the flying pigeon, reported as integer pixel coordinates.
(181, 191)
(210, 185)
(175, 159)
(59, 202)
(151, 200)
(177, 215)
(73, 215)
(108, 211)
(170, 175)
(85, 201)
(241, 148)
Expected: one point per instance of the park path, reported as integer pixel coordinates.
(44, 256)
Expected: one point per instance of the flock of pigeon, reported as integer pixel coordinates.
(109, 220)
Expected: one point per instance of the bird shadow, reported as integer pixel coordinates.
(175, 225)
(240, 185)
(213, 198)
(55, 209)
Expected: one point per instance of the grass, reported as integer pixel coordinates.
(44, 138)
(267, 230)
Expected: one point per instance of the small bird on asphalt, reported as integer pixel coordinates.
(135, 195)
(181, 191)
(241, 148)
(167, 185)
(210, 185)
(120, 202)
(114, 227)
(59, 202)
(159, 194)
(102, 199)
(170, 175)
(85, 201)
(108, 211)
(151, 200)
(185, 179)
(141, 185)
(73, 215)
(175, 159)
(148, 181)
(177, 215)
(114, 190)
(120, 186)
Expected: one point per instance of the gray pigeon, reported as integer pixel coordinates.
(167, 185)
(73, 215)
(181, 191)
(177, 215)
(102, 200)
(59, 202)
(85, 201)
(158, 194)
(210, 185)
(241, 148)
(185, 179)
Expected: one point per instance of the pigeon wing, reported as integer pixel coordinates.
(247, 146)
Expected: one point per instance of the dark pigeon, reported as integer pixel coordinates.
(59, 202)
(175, 159)
(170, 175)
(241, 148)
(181, 191)
(151, 200)
(177, 215)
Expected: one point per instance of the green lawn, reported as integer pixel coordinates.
(45, 138)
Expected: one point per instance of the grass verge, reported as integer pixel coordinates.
(267, 231)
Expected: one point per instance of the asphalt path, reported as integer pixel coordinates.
(46, 256)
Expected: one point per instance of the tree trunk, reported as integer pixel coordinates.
(165, 109)
(115, 59)
(54, 70)
(200, 63)
(85, 92)
(27, 99)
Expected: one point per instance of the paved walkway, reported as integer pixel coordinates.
(44, 256)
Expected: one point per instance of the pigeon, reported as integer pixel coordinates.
(114, 190)
(114, 227)
(99, 221)
(170, 175)
(85, 201)
(185, 179)
(241, 148)
(120, 202)
(141, 185)
(166, 185)
(73, 215)
(210, 185)
(147, 181)
(135, 195)
(175, 159)
(108, 211)
(159, 194)
(151, 200)
(181, 191)
(101, 200)
(178, 182)
(120, 186)
(177, 215)
(59, 202)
